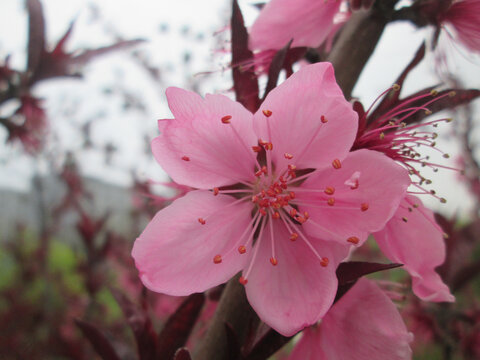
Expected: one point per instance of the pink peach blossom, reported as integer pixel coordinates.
(279, 197)
(464, 17)
(307, 22)
(363, 325)
(413, 238)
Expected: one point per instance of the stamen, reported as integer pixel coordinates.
(364, 207)
(353, 239)
(217, 259)
(336, 164)
(243, 279)
(242, 249)
(256, 149)
(215, 191)
(267, 113)
(288, 156)
(323, 119)
(226, 119)
(201, 221)
(185, 158)
(329, 190)
(331, 201)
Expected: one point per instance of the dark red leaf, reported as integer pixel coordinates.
(391, 99)
(352, 270)
(178, 327)
(268, 345)
(275, 67)
(100, 343)
(182, 354)
(36, 34)
(459, 97)
(245, 82)
(141, 326)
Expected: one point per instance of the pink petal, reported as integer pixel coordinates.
(298, 290)
(297, 107)
(307, 22)
(419, 245)
(198, 150)
(356, 212)
(363, 325)
(174, 254)
(464, 16)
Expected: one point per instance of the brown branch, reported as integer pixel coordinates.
(234, 310)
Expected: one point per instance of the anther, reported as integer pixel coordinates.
(306, 215)
(404, 219)
(382, 136)
(273, 261)
(243, 280)
(256, 149)
(445, 236)
(293, 212)
(201, 221)
(364, 207)
(323, 119)
(446, 156)
(434, 92)
(267, 113)
(324, 261)
(263, 212)
(226, 119)
(291, 167)
(217, 259)
(443, 200)
(292, 195)
(329, 190)
(185, 158)
(215, 191)
(288, 156)
(293, 236)
(276, 215)
(242, 249)
(452, 93)
(331, 201)
(396, 87)
(269, 146)
(353, 240)
(337, 164)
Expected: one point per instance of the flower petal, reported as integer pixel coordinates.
(174, 254)
(298, 290)
(295, 124)
(368, 188)
(197, 149)
(307, 22)
(418, 244)
(363, 325)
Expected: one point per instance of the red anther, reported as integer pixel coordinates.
(293, 236)
(259, 173)
(254, 198)
(264, 203)
(293, 212)
(329, 190)
(331, 201)
(364, 207)
(292, 195)
(300, 219)
(263, 212)
(215, 191)
(324, 262)
(283, 185)
(243, 280)
(201, 221)
(264, 169)
(263, 193)
(323, 119)
(262, 142)
(217, 259)
(242, 249)
(267, 113)
(355, 185)
(353, 239)
(292, 174)
(226, 119)
(291, 167)
(269, 146)
(256, 149)
(185, 158)
(276, 205)
(306, 215)
(336, 164)
(274, 261)
(288, 156)
(276, 215)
